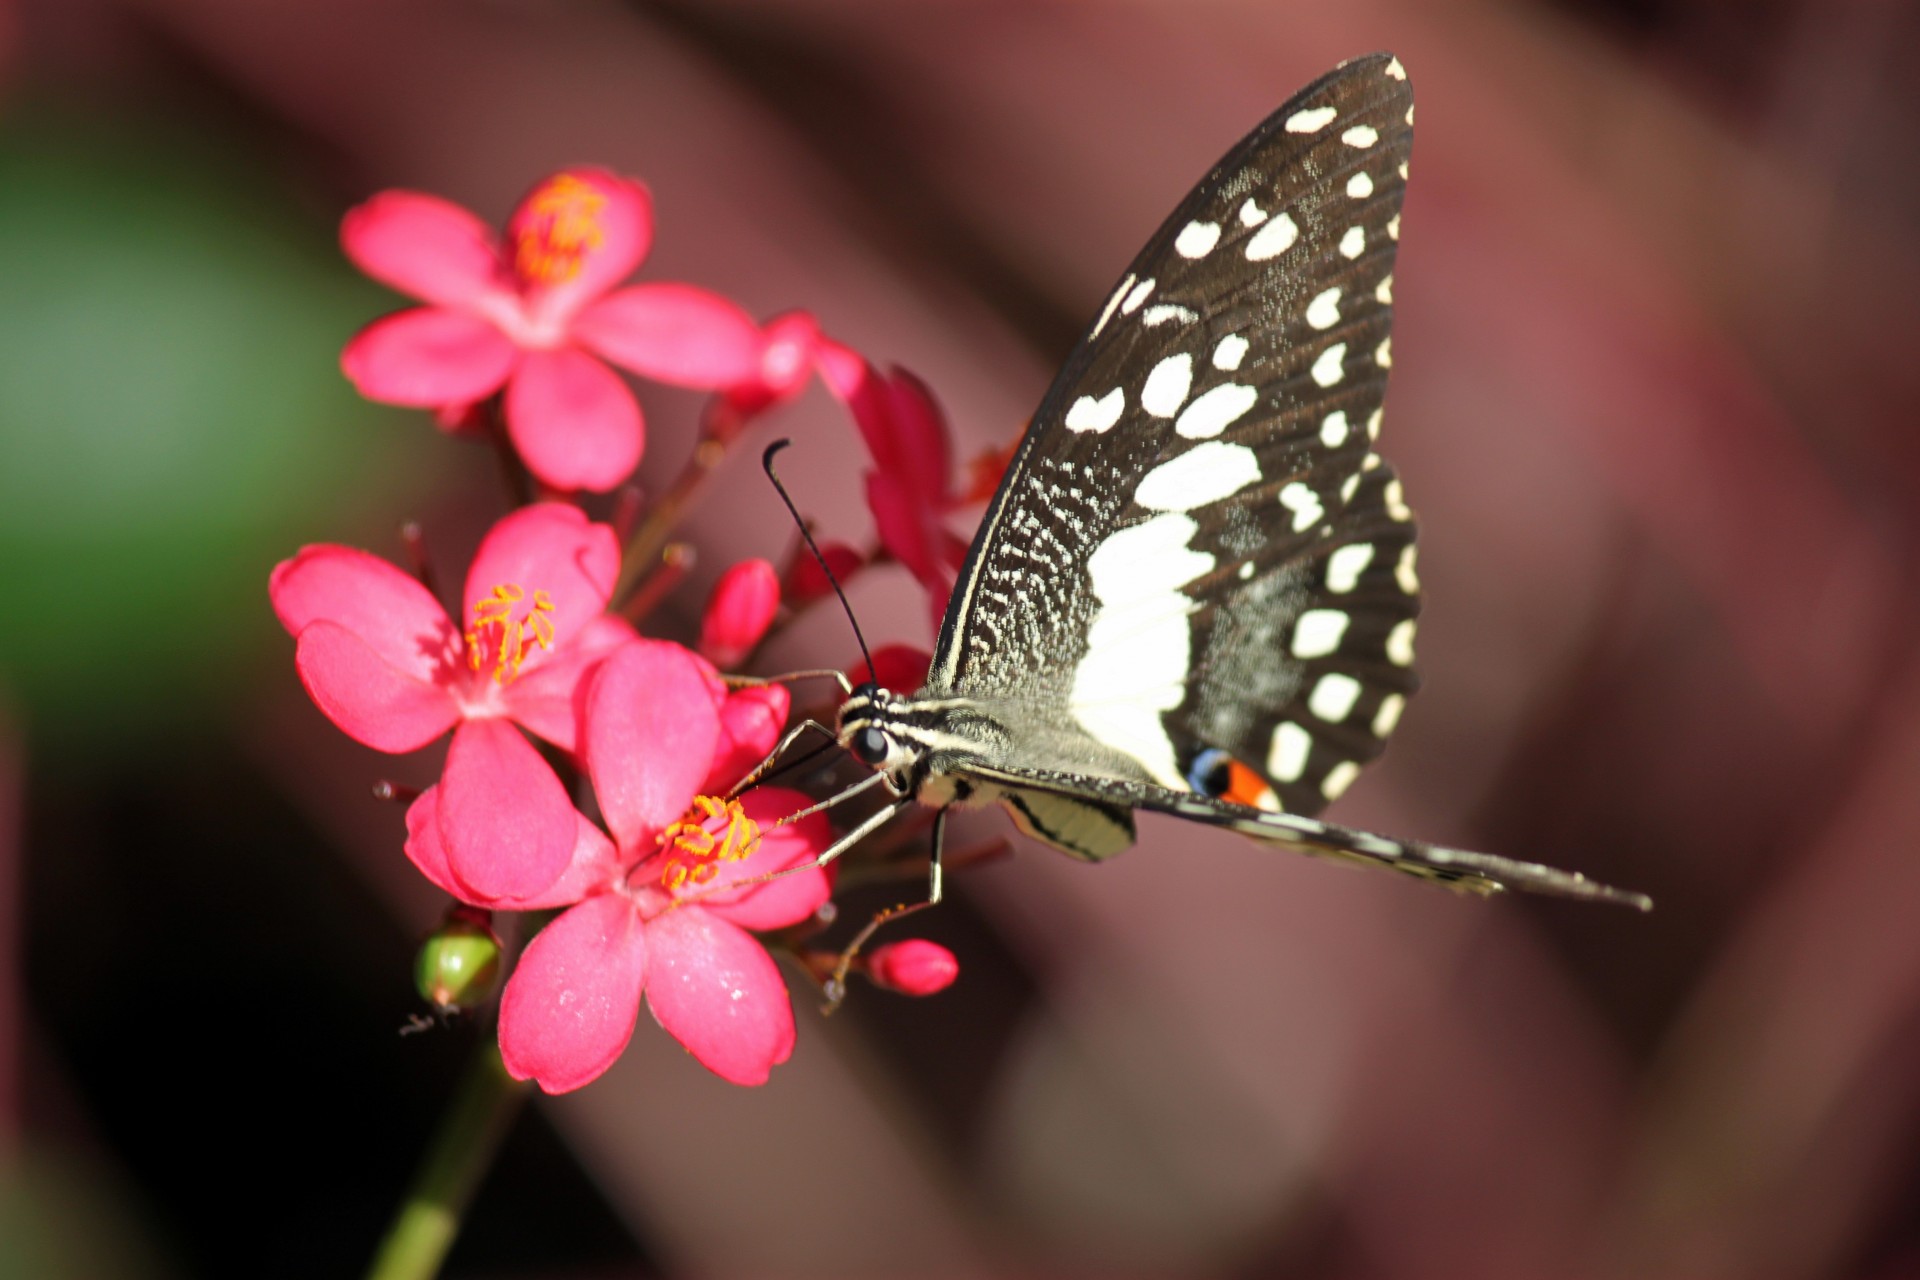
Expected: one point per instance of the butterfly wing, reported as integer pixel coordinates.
(1195, 562)
(1078, 806)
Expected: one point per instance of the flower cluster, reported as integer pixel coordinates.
(544, 682)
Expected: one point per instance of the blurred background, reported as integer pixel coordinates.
(1654, 398)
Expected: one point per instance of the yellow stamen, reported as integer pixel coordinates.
(695, 853)
(513, 637)
(562, 229)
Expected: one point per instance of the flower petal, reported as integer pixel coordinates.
(371, 700)
(900, 667)
(910, 527)
(774, 904)
(428, 357)
(569, 1009)
(506, 820)
(549, 547)
(388, 609)
(673, 333)
(594, 865)
(650, 735)
(574, 237)
(425, 247)
(550, 700)
(718, 992)
(738, 612)
(575, 423)
(750, 724)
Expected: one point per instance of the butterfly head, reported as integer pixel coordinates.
(868, 729)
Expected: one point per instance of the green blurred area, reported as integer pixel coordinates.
(172, 418)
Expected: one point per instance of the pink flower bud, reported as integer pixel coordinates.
(738, 612)
(915, 967)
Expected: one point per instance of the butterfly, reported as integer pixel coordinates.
(1194, 592)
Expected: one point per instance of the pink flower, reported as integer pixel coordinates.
(739, 612)
(911, 486)
(789, 345)
(538, 316)
(899, 667)
(648, 910)
(381, 658)
(914, 967)
(804, 581)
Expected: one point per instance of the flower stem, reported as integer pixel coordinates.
(663, 517)
(429, 1218)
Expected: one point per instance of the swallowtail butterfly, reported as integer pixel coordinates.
(1194, 591)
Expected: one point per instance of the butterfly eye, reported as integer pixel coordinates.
(871, 746)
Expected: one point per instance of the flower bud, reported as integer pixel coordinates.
(738, 612)
(915, 967)
(459, 965)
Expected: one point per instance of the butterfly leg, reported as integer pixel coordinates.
(836, 986)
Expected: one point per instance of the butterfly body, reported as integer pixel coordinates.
(1194, 590)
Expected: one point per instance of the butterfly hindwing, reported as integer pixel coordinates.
(1167, 568)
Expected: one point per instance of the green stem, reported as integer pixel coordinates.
(457, 1158)
(663, 517)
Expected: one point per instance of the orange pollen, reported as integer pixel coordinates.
(695, 853)
(509, 634)
(561, 229)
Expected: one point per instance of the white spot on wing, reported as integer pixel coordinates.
(1251, 214)
(1215, 410)
(1311, 120)
(1373, 425)
(1345, 566)
(1361, 135)
(1333, 431)
(1273, 239)
(1138, 296)
(1396, 501)
(1383, 354)
(1287, 759)
(1088, 414)
(1304, 503)
(1359, 186)
(1328, 369)
(1106, 312)
(1318, 633)
(1333, 697)
(1354, 242)
(1205, 473)
(1196, 239)
(1400, 644)
(1403, 572)
(1168, 311)
(1393, 227)
(1384, 293)
(1349, 487)
(1388, 715)
(1395, 70)
(1140, 641)
(1246, 571)
(1324, 311)
(1167, 386)
(1231, 351)
(1338, 779)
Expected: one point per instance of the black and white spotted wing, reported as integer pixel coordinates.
(1194, 591)
(1195, 557)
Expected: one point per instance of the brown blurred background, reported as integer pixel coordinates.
(1654, 399)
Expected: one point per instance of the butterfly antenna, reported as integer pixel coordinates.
(766, 464)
